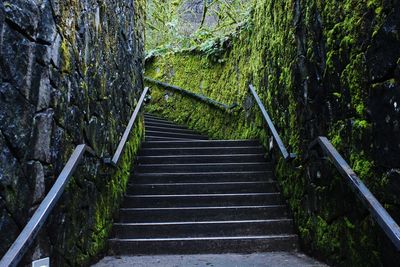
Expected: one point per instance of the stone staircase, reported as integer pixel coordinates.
(191, 195)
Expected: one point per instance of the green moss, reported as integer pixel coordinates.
(96, 190)
(204, 79)
(109, 201)
(65, 56)
(268, 56)
(362, 165)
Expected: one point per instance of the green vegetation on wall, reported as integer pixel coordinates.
(109, 202)
(71, 73)
(319, 68)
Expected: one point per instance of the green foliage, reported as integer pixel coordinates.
(204, 78)
(215, 49)
(264, 51)
(173, 25)
(109, 201)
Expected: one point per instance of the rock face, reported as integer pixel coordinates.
(321, 68)
(71, 72)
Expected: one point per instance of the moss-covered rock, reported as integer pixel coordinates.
(321, 68)
(71, 73)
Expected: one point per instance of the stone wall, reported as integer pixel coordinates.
(71, 73)
(321, 68)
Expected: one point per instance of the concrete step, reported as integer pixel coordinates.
(201, 200)
(175, 135)
(228, 158)
(203, 177)
(202, 188)
(203, 229)
(164, 124)
(215, 245)
(203, 167)
(155, 138)
(191, 195)
(151, 138)
(169, 129)
(201, 143)
(202, 213)
(200, 151)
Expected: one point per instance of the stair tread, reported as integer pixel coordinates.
(194, 195)
(210, 183)
(203, 173)
(164, 124)
(162, 132)
(201, 164)
(208, 208)
(167, 138)
(202, 187)
(208, 195)
(207, 222)
(168, 129)
(203, 156)
(219, 141)
(211, 147)
(198, 143)
(209, 238)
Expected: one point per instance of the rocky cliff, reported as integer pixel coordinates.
(321, 68)
(71, 71)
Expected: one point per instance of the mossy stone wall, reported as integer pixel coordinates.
(321, 68)
(70, 73)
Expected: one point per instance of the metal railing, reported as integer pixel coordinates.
(26, 237)
(285, 154)
(382, 217)
(193, 95)
(20, 246)
(128, 129)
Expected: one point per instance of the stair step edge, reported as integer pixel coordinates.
(200, 208)
(286, 220)
(211, 183)
(208, 238)
(204, 195)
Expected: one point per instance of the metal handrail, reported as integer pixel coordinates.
(194, 95)
(385, 221)
(286, 155)
(26, 237)
(128, 129)
(17, 250)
